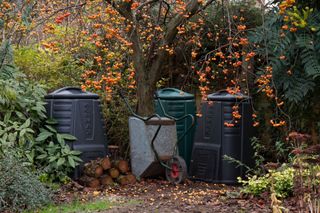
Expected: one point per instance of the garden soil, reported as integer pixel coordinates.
(160, 196)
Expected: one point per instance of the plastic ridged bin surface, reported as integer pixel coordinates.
(177, 104)
(213, 139)
(79, 113)
(143, 159)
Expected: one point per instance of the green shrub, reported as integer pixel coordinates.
(255, 185)
(23, 125)
(53, 155)
(280, 182)
(20, 188)
(21, 112)
(53, 70)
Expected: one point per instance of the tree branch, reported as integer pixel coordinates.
(169, 37)
(172, 30)
(146, 3)
(123, 9)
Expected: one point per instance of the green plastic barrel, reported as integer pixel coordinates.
(177, 103)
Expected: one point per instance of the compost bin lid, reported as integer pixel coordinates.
(173, 94)
(71, 93)
(223, 95)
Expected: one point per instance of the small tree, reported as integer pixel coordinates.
(150, 31)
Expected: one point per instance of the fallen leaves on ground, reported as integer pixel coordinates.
(161, 196)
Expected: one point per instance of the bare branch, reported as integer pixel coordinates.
(179, 19)
(56, 12)
(168, 9)
(146, 3)
(193, 7)
(207, 4)
(123, 9)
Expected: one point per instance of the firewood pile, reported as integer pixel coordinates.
(104, 172)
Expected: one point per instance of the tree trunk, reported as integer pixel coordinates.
(145, 96)
(147, 74)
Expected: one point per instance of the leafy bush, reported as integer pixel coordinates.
(22, 110)
(280, 182)
(53, 70)
(23, 126)
(52, 153)
(295, 76)
(19, 187)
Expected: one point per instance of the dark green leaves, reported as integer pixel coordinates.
(44, 135)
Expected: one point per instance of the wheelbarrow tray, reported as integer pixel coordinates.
(143, 159)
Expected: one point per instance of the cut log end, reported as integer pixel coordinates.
(131, 179)
(106, 180)
(123, 166)
(105, 163)
(90, 182)
(114, 173)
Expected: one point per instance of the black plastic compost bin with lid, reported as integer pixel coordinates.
(79, 113)
(177, 103)
(213, 139)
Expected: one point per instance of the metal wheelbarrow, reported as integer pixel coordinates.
(153, 145)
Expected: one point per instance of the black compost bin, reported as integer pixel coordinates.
(177, 103)
(213, 139)
(79, 113)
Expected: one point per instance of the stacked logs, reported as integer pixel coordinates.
(103, 172)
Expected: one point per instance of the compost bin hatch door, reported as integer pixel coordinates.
(174, 94)
(71, 93)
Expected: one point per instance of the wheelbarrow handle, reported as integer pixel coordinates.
(189, 127)
(169, 116)
(156, 95)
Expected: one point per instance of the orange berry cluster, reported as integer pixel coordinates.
(277, 124)
(264, 82)
(284, 5)
(229, 124)
(235, 112)
(51, 46)
(255, 122)
(62, 17)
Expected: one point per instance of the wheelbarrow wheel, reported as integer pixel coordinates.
(177, 171)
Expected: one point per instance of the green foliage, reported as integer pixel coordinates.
(6, 57)
(236, 162)
(25, 130)
(53, 70)
(257, 154)
(281, 182)
(254, 185)
(300, 49)
(19, 187)
(51, 152)
(116, 115)
(21, 112)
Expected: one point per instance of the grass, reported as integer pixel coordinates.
(77, 207)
